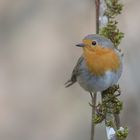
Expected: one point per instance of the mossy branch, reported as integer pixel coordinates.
(111, 106)
(111, 30)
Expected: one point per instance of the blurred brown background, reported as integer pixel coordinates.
(37, 55)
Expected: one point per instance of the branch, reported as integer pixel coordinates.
(93, 99)
(111, 106)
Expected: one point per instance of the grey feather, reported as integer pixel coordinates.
(75, 72)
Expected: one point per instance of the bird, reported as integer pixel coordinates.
(100, 65)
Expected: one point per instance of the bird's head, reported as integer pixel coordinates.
(93, 42)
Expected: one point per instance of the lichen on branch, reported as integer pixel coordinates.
(111, 31)
(111, 106)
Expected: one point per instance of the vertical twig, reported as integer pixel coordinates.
(93, 99)
(97, 2)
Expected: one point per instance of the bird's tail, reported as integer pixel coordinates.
(69, 83)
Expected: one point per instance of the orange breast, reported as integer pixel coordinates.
(101, 60)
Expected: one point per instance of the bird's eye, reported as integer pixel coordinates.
(94, 43)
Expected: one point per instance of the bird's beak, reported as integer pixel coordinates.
(80, 45)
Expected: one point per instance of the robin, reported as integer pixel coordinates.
(100, 65)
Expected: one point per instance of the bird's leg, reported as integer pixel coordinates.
(97, 107)
(91, 94)
(92, 99)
